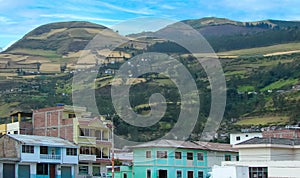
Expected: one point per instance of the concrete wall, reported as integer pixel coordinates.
(13, 127)
(243, 137)
(255, 154)
(216, 158)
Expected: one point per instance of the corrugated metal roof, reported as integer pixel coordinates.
(42, 140)
(187, 145)
(277, 141)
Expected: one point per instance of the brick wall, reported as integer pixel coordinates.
(50, 122)
(285, 133)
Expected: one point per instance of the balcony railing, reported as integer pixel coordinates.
(83, 157)
(49, 156)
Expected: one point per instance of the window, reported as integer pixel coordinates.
(42, 169)
(177, 155)
(148, 154)
(200, 157)
(148, 173)
(83, 170)
(189, 156)
(87, 150)
(238, 138)
(15, 132)
(43, 150)
(72, 151)
(190, 174)
(227, 157)
(200, 174)
(237, 158)
(178, 174)
(162, 154)
(96, 171)
(71, 115)
(246, 135)
(258, 172)
(85, 132)
(98, 134)
(27, 149)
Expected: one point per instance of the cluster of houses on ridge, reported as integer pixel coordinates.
(66, 142)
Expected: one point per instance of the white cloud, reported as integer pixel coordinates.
(76, 17)
(142, 11)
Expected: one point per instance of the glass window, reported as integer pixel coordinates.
(237, 158)
(27, 149)
(96, 171)
(227, 157)
(83, 170)
(162, 154)
(200, 157)
(43, 150)
(72, 151)
(98, 134)
(178, 174)
(200, 174)
(148, 173)
(148, 154)
(258, 172)
(238, 138)
(71, 115)
(177, 155)
(189, 156)
(42, 169)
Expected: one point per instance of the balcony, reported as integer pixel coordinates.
(50, 156)
(87, 157)
(87, 140)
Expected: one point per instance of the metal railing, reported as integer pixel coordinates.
(49, 156)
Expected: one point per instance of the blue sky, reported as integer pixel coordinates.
(17, 17)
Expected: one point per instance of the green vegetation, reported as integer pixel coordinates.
(264, 121)
(280, 84)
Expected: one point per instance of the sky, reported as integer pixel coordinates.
(18, 17)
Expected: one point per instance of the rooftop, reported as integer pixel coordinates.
(199, 145)
(274, 141)
(42, 140)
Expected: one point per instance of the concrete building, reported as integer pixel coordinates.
(236, 138)
(20, 124)
(268, 158)
(76, 125)
(29, 156)
(171, 158)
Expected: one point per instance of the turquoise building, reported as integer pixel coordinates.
(179, 159)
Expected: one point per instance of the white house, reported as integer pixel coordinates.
(268, 158)
(37, 156)
(236, 138)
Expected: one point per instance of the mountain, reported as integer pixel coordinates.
(225, 35)
(56, 38)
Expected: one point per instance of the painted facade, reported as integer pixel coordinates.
(170, 158)
(37, 157)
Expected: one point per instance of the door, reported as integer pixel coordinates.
(190, 174)
(9, 170)
(66, 172)
(52, 170)
(24, 171)
(162, 174)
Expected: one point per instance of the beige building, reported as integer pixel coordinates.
(268, 158)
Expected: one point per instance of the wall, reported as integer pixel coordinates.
(3, 129)
(243, 137)
(216, 158)
(285, 133)
(255, 154)
(13, 127)
(51, 123)
(142, 164)
(14, 148)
